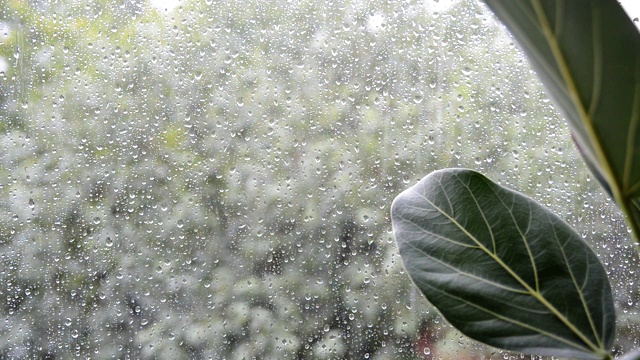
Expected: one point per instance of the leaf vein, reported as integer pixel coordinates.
(510, 320)
(465, 273)
(580, 289)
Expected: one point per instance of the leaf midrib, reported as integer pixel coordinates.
(459, 271)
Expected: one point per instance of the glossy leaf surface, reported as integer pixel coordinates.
(502, 268)
(587, 54)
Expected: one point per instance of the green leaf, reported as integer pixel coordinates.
(587, 54)
(502, 268)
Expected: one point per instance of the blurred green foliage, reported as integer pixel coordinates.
(215, 181)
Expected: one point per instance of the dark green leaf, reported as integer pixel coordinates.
(502, 268)
(587, 54)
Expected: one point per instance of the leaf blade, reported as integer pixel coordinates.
(587, 54)
(497, 265)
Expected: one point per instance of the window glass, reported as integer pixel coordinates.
(212, 179)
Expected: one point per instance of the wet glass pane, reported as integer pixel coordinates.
(212, 179)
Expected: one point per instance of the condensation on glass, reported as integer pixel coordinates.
(212, 179)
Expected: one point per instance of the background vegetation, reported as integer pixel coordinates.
(215, 181)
